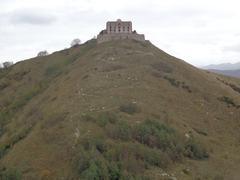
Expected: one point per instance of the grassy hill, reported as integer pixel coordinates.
(117, 110)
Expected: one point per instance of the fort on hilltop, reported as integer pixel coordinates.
(119, 29)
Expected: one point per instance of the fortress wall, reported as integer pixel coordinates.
(109, 37)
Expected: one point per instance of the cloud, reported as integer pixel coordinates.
(234, 48)
(32, 17)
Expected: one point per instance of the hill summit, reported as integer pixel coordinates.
(121, 109)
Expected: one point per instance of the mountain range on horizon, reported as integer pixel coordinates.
(223, 66)
(232, 73)
(228, 69)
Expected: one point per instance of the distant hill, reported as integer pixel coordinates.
(224, 66)
(117, 110)
(233, 73)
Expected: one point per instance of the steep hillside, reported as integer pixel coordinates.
(117, 110)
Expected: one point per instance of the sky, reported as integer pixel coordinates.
(200, 32)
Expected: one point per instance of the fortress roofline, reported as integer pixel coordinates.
(119, 30)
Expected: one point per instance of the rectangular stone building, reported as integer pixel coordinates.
(116, 30)
(119, 27)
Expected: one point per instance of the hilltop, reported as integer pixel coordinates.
(117, 110)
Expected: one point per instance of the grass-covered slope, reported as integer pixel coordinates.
(117, 110)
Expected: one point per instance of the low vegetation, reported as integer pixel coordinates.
(15, 104)
(10, 174)
(233, 86)
(4, 84)
(194, 150)
(22, 100)
(4, 72)
(200, 131)
(18, 76)
(112, 67)
(162, 67)
(102, 120)
(4, 148)
(228, 101)
(178, 84)
(52, 71)
(130, 108)
(126, 151)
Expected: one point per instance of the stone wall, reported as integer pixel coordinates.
(110, 37)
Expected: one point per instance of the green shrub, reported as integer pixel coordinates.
(4, 149)
(173, 81)
(10, 174)
(126, 151)
(91, 165)
(15, 139)
(93, 144)
(152, 156)
(186, 87)
(5, 115)
(155, 134)
(106, 118)
(162, 67)
(14, 105)
(53, 71)
(4, 72)
(229, 101)
(98, 169)
(120, 130)
(88, 118)
(82, 162)
(193, 150)
(130, 108)
(178, 84)
(102, 120)
(27, 96)
(114, 170)
(233, 86)
(119, 161)
(200, 131)
(4, 84)
(17, 76)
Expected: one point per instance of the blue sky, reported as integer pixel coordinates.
(200, 32)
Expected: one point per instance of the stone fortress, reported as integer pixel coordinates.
(116, 30)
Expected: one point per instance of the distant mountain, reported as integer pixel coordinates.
(233, 73)
(224, 66)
